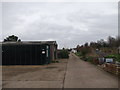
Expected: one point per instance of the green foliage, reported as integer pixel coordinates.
(78, 54)
(118, 58)
(115, 56)
(110, 56)
(84, 51)
(89, 59)
(64, 54)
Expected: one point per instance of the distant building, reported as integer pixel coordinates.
(28, 53)
(74, 50)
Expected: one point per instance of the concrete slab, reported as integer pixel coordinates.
(46, 76)
(32, 84)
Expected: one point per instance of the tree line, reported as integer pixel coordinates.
(111, 42)
(12, 38)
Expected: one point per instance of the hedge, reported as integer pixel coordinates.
(63, 54)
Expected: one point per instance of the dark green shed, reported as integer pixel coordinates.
(28, 53)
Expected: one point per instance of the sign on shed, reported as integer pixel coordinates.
(109, 60)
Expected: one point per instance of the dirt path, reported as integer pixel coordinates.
(81, 74)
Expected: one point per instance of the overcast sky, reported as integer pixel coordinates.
(69, 24)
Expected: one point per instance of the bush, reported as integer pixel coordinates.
(90, 59)
(64, 54)
(78, 54)
(115, 56)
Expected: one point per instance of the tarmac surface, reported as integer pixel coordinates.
(68, 73)
(82, 74)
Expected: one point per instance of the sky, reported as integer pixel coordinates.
(68, 23)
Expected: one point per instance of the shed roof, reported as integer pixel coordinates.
(31, 42)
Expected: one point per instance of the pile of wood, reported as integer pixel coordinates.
(112, 68)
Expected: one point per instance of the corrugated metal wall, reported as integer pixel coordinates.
(27, 54)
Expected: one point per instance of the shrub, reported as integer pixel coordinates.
(78, 54)
(115, 56)
(89, 59)
(64, 54)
